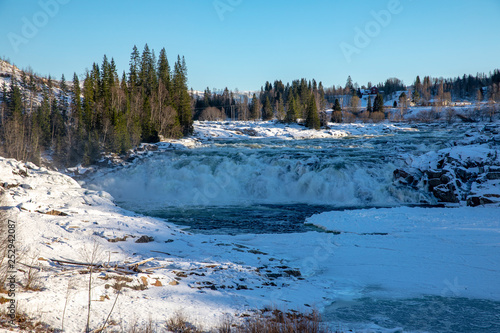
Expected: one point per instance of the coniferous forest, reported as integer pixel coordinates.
(105, 112)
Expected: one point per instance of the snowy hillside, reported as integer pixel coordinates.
(7, 71)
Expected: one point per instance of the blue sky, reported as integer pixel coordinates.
(242, 43)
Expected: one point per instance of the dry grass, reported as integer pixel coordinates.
(277, 321)
(178, 324)
(32, 279)
(24, 322)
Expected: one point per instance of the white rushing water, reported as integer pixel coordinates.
(248, 181)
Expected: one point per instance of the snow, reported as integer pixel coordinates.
(270, 129)
(380, 253)
(413, 251)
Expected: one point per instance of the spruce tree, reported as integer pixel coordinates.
(291, 113)
(135, 60)
(181, 96)
(337, 112)
(312, 119)
(378, 105)
(369, 107)
(255, 108)
(164, 70)
(281, 109)
(268, 110)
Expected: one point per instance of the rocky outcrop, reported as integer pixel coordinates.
(467, 174)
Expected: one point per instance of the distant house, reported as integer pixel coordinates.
(438, 102)
(461, 103)
(366, 92)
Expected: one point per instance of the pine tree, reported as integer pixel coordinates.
(337, 112)
(76, 122)
(322, 101)
(3, 105)
(378, 105)
(15, 102)
(369, 107)
(349, 87)
(43, 120)
(291, 113)
(312, 119)
(147, 74)
(164, 70)
(255, 108)
(268, 110)
(181, 96)
(135, 60)
(280, 109)
(88, 103)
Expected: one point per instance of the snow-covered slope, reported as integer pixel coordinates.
(8, 71)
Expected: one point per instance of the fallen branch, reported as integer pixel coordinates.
(121, 269)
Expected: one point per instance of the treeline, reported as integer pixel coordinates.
(302, 99)
(472, 88)
(423, 91)
(106, 113)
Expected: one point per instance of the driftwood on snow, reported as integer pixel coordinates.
(120, 269)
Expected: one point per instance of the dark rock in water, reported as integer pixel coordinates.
(433, 182)
(445, 193)
(434, 173)
(404, 177)
(399, 173)
(441, 163)
(446, 178)
(465, 174)
(249, 131)
(145, 239)
(152, 147)
(478, 201)
(493, 175)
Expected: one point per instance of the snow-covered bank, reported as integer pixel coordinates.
(401, 252)
(414, 251)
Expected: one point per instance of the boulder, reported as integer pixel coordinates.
(404, 177)
(475, 201)
(445, 193)
(446, 178)
(493, 175)
(434, 173)
(433, 182)
(145, 239)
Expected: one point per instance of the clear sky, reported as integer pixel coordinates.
(243, 43)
